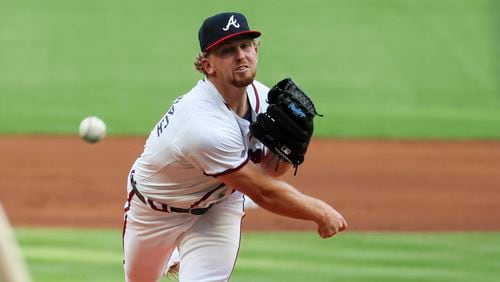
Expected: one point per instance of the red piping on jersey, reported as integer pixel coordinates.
(257, 101)
(206, 196)
(229, 170)
(127, 207)
(129, 200)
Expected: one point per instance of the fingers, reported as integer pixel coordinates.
(322, 234)
(338, 227)
(325, 235)
(343, 225)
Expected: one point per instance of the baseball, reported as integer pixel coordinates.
(92, 129)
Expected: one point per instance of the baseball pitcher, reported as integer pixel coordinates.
(228, 136)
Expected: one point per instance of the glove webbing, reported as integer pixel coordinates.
(291, 89)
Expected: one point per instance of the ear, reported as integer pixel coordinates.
(207, 66)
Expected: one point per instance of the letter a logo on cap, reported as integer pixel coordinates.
(232, 21)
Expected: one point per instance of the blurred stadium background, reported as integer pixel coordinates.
(378, 69)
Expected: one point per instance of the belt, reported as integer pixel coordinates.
(164, 207)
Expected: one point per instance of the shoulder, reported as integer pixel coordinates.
(202, 99)
(212, 143)
(207, 129)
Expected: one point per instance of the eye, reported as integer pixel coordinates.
(246, 45)
(226, 51)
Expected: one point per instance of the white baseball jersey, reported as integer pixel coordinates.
(198, 138)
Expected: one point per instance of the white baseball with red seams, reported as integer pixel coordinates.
(92, 129)
(177, 170)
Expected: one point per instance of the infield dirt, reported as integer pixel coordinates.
(376, 185)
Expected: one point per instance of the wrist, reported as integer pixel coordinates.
(322, 216)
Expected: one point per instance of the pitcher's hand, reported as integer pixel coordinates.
(333, 222)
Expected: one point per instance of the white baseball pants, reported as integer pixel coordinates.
(208, 243)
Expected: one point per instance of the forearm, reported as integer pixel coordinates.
(283, 199)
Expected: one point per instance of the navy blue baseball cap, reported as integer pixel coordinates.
(220, 27)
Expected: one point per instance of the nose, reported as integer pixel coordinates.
(239, 53)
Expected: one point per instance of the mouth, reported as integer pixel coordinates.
(242, 68)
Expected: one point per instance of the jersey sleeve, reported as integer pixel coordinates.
(214, 146)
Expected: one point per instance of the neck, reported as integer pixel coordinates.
(235, 97)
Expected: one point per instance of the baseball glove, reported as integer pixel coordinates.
(287, 126)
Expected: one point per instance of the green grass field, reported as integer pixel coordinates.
(95, 255)
(377, 69)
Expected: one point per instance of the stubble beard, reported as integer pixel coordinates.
(244, 81)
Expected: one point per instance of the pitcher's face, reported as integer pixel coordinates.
(234, 62)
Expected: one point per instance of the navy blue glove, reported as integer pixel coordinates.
(287, 125)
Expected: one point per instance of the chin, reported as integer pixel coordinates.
(244, 81)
